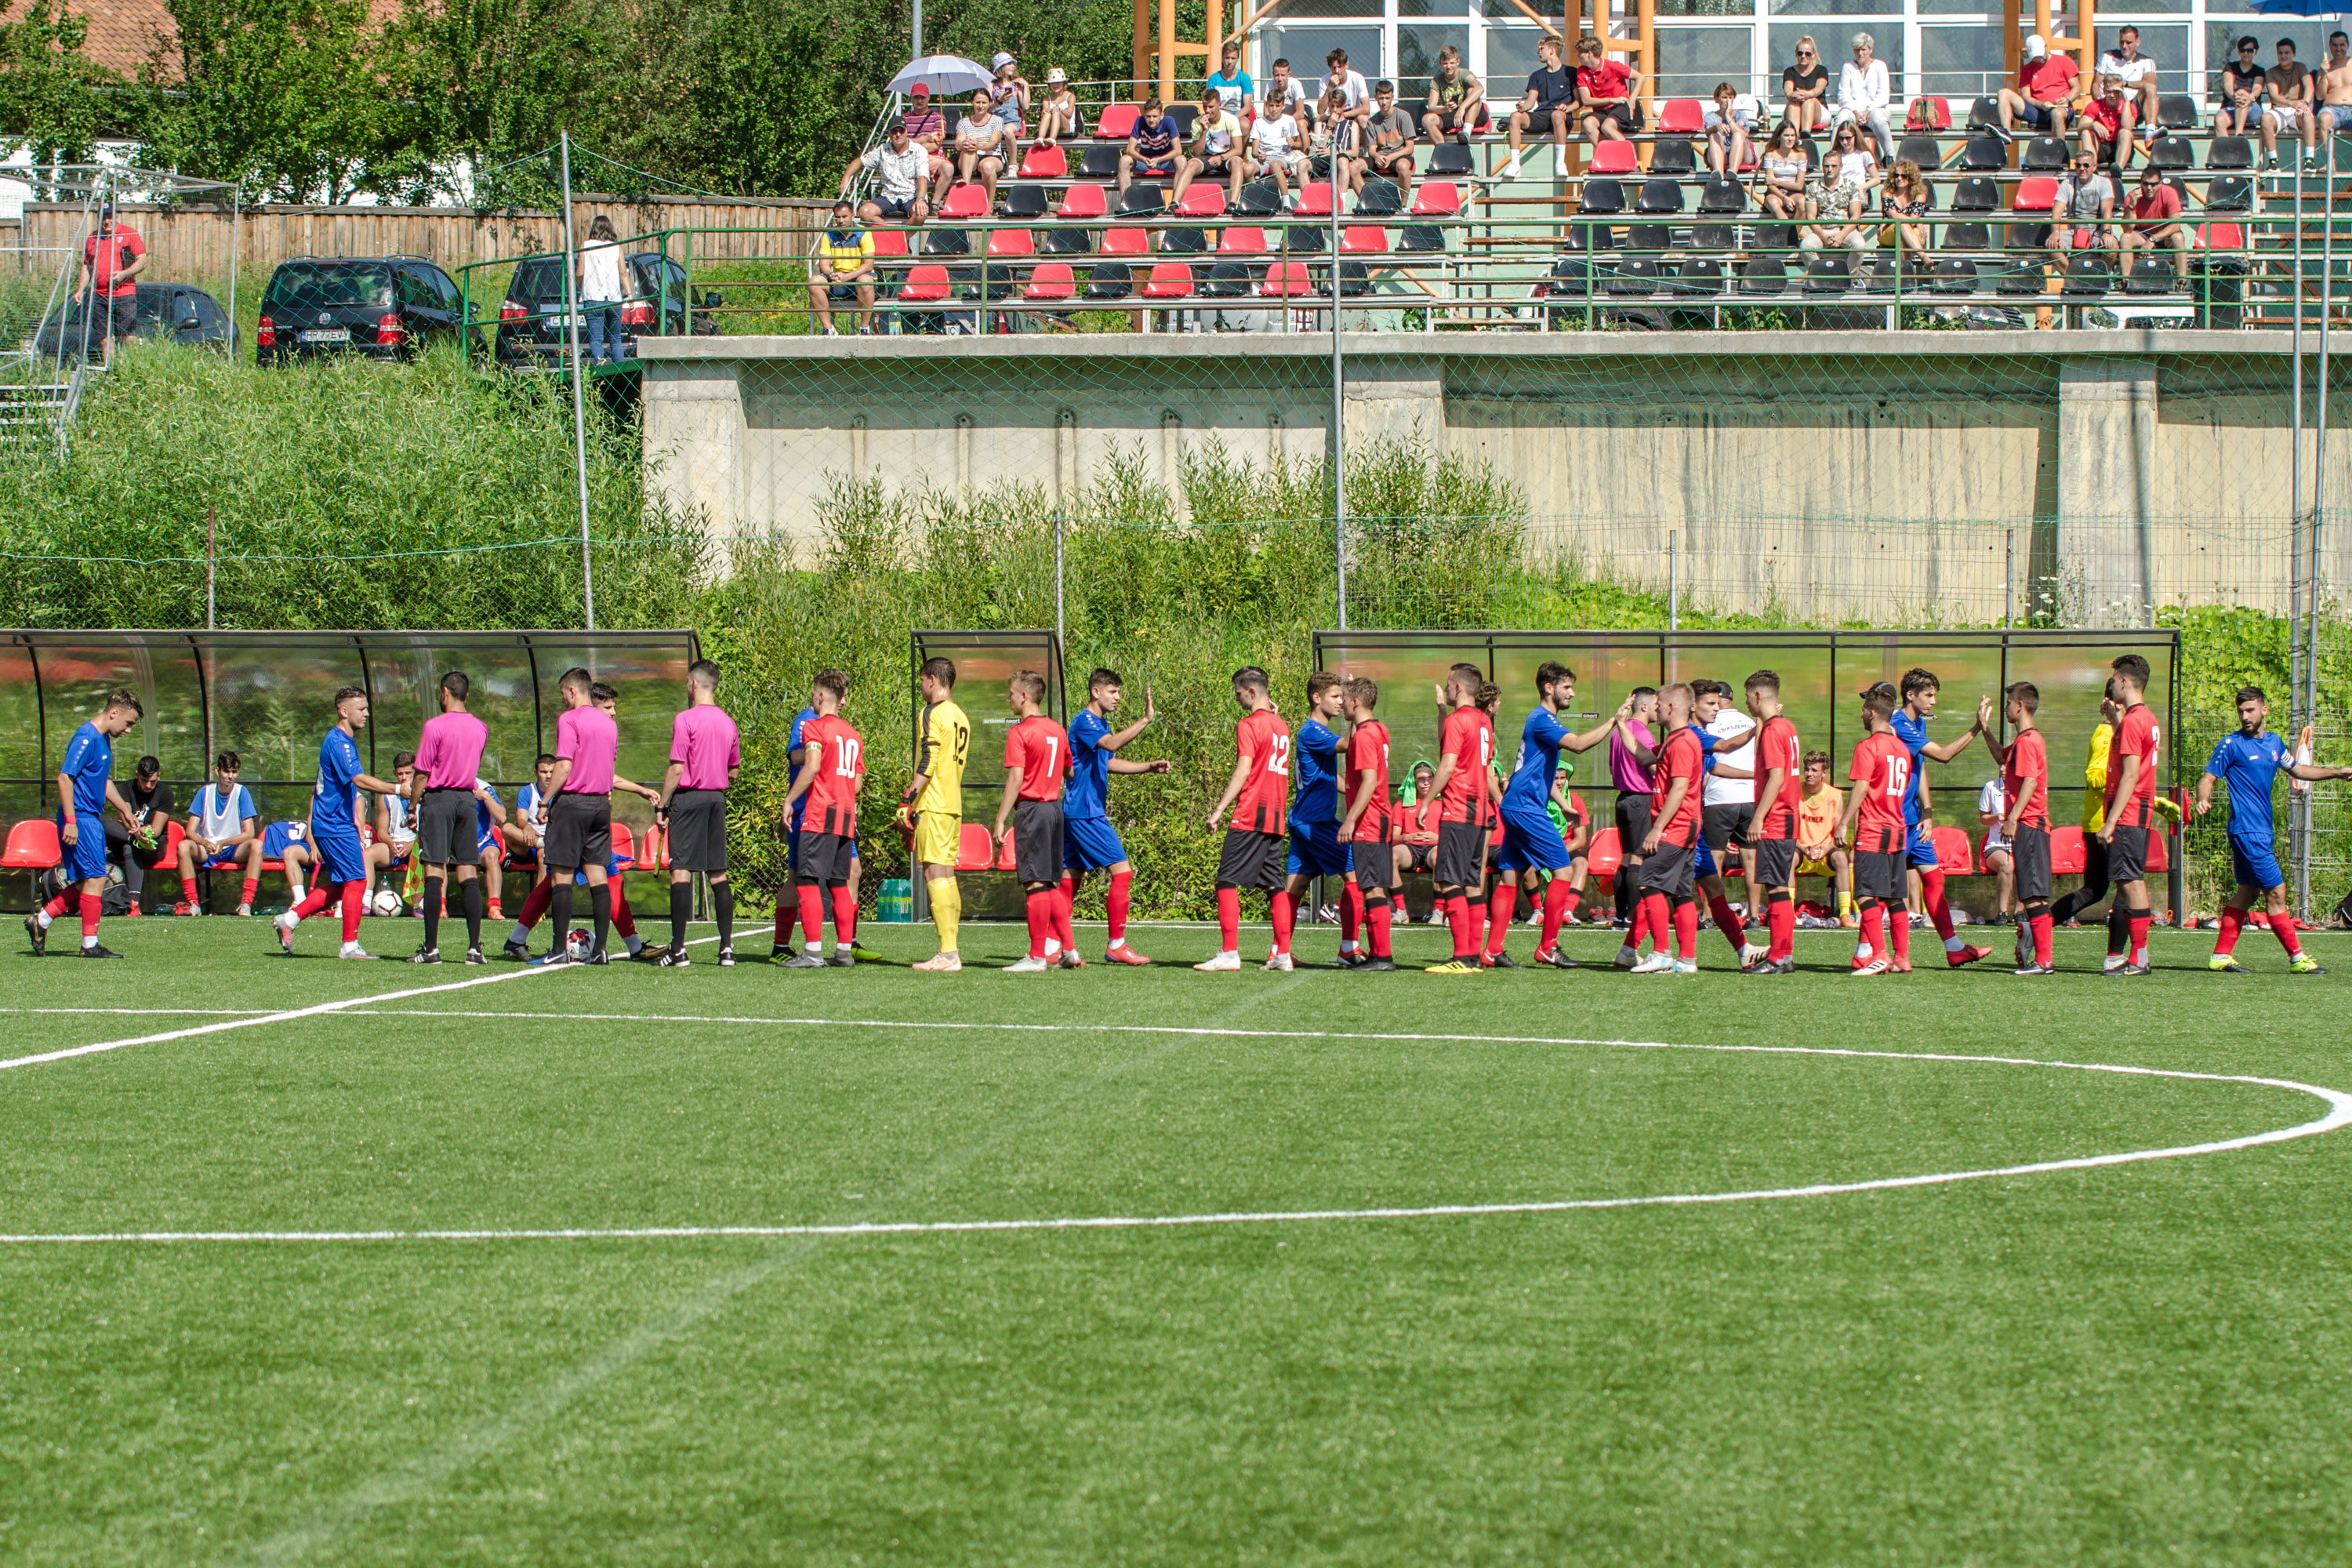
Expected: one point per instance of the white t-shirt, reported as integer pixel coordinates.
(1720, 791)
(1273, 136)
(1285, 98)
(1218, 135)
(599, 273)
(1993, 801)
(2131, 72)
(1352, 85)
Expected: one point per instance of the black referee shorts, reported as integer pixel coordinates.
(446, 828)
(1632, 823)
(579, 831)
(1460, 854)
(1037, 842)
(698, 830)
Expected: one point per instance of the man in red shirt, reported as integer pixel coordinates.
(1668, 860)
(1881, 775)
(1466, 795)
(833, 770)
(2131, 810)
(2107, 120)
(2045, 85)
(1257, 852)
(1779, 763)
(1365, 829)
(1607, 91)
(111, 259)
(2025, 786)
(1036, 761)
(2155, 212)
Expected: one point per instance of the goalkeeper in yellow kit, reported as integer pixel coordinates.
(931, 811)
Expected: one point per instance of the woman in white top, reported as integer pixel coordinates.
(1867, 94)
(1782, 176)
(1848, 175)
(600, 292)
(1993, 807)
(979, 145)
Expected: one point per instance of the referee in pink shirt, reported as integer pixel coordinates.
(704, 753)
(580, 812)
(448, 764)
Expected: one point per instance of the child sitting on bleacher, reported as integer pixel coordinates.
(1060, 116)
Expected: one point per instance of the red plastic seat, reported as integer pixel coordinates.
(1085, 201)
(924, 284)
(1169, 280)
(2223, 237)
(32, 846)
(2066, 857)
(966, 201)
(1011, 242)
(1364, 240)
(889, 244)
(2159, 857)
(1006, 852)
(1124, 242)
(1952, 852)
(1615, 158)
(1604, 854)
(1436, 198)
(975, 848)
(2035, 193)
(1051, 280)
(624, 847)
(1314, 201)
(1117, 121)
(1202, 200)
(1241, 240)
(1285, 280)
(1680, 117)
(1045, 163)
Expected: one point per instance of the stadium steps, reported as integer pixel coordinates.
(35, 413)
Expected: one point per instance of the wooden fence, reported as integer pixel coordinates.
(192, 243)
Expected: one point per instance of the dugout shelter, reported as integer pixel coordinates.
(269, 696)
(985, 661)
(1822, 674)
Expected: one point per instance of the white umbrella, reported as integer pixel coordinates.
(943, 74)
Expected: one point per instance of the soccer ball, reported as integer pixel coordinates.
(387, 902)
(575, 944)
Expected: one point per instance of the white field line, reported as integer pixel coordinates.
(2338, 1114)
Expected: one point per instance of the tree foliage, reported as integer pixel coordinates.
(51, 97)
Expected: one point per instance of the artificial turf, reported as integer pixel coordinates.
(2132, 1364)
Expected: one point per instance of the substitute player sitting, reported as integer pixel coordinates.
(1532, 842)
(931, 811)
(395, 828)
(335, 829)
(1036, 761)
(1089, 842)
(1414, 830)
(2249, 762)
(223, 833)
(1817, 837)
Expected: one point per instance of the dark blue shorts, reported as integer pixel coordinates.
(1315, 850)
(2256, 864)
(1531, 843)
(1702, 858)
(1090, 844)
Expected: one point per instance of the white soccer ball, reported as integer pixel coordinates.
(575, 944)
(387, 902)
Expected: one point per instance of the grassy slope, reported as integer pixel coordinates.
(2127, 1364)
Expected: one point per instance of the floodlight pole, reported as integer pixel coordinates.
(235, 216)
(579, 410)
(2302, 806)
(1339, 399)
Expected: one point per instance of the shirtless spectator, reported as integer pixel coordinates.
(2289, 85)
(2045, 85)
(1456, 105)
(2243, 83)
(2336, 88)
(926, 127)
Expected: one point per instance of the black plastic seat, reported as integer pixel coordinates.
(1698, 279)
(1261, 198)
(1226, 280)
(1308, 239)
(1984, 113)
(1977, 194)
(938, 240)
(1421, 238)
(1967, 236)
(1379, 198)
(1355, 279)
(2176, 111)
(2045, 154)
(1110, 281)
(1775, 236)
(1763, 275)
(1924, 151)
(1723, 194)
(2230, 152)
(1828, 275)
(2230, 193)
(1141, 200)
(1187, 117)
(1984, 154)
(1660, 196)
(1069, 242)
(2152, 275)
(1955, 274)
(1183, 241)
(2021, 275)
(2171, 152)
(1100, 162)
(1603, 196)
(1648, 236)
(1450, 159)
(1873, 274)
(1633, 277)
(1714, 236)
(2088, 277)
(1673, 156)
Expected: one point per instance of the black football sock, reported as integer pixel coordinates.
(558, 914)
(431, 911)
(681, 903)
(600, 907)
(722, 906)
(2119, 930)
(473, 914)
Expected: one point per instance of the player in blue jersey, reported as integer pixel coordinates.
(787, 906)
(2250, 762)
(1532, 842)
(1920, 690)
(342, 865)
(1089, 843)
(85, 789)
(1316, 847)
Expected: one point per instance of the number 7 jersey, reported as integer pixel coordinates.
(1263, 740)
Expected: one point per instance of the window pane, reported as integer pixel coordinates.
(1704, 8)
(1691, 60)
(1432, 7)
(1417, 49)
(2166, 43)
(1305, 47)
(1960, 64)
(1886, 38)
(1503, 10)
(1331, 8)
(1510, 61)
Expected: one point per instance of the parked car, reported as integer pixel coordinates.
(166, 310)
(385, 306)
(533, 329)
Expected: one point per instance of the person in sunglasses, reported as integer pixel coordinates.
(1805, 88)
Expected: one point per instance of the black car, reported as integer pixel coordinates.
(172, 312)
(533, 330)
(385, 307)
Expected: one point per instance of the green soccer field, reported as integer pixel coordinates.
(316, 1313)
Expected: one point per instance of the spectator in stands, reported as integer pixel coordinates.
(1286, 94)
(1415, 826)
(2137, 71)
(1904, 204)
(2289, 86)
(2243, 83)
(1866, 94)
(1338, 137)
(1231, 84)
(2335, 110)
(1547, 106)
(1060, 116)
(1151, 147)
(1842, 194)
(1783, 177)
(1817, 837)
(1216, 150)
(1993, 807)
(1805, 88)
(900, 169)
(597, 278)
(842, 271)
(981, 144)
(111, 259)
(2045, 88)
(2155, 213)
(139, 847)
(1389, 133)
(1456, 104)
(2086, 209)
(1608, 94)
(926, 127)
(2107, 123)
(1352, 87)
(1275, 149)
(1008, 95)
(1730, 125)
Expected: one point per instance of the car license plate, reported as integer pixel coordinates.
(327, 335)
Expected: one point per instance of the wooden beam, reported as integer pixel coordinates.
(2012, 48)
(1213, 35)
(1142, 46)
(1167, 49)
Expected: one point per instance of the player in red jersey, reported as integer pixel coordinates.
(1779, 765)
(833, 770)
(1373, 872)
(2131, 813)
(1669, 857)
(1881, 775)
(1036, 761)
(1256, 851)
(1464, 786)
(2025, 787)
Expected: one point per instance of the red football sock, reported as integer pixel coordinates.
(1931, 887)
(352, 909)
(1457, 916)
(2139, 924)
(2281, 927)
(1660, 922)
(1558, 898)
(2233, 925)
(1115, 902)
(1728, 923)
(2045, 926)
(89, 905)
(1351, 912)
(812, 914)
(1062, 920)
(312, 902)
(1898, 927)
(542, 893)
(1874, 931)
(252, 884)
(623, 921)
(1499, 913)
(1686, 931)
(1377, 918)
(1477, 907)
(1229, 919)
(1284, 914)
(57, 907)
(1041, 922)
(1781, 922)
(845, 917)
